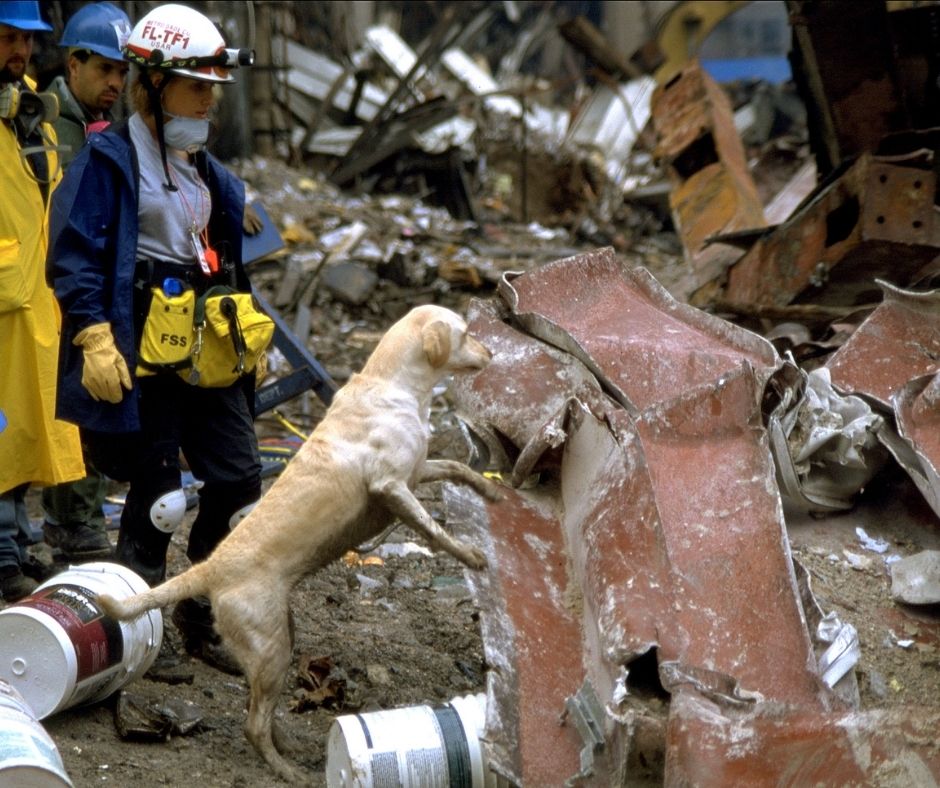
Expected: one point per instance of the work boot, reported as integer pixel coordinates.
(78, 541)
(14, 585)
(193, 619)
(167, 666)
(36, 569)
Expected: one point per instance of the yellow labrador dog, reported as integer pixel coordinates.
(350, 480)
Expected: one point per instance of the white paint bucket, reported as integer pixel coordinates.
(59, 649)
(410, 747)
(28, 755)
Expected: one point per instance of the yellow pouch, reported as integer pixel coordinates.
(166, 344)
(231, 334)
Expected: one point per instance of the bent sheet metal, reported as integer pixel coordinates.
(664, 512)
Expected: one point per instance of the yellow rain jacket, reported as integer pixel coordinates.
(34, 446)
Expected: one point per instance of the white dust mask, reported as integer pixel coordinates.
(188, 134)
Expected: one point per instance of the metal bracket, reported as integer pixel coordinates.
(307, 373)
(586, 711)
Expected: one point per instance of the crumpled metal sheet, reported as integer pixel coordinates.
(709, 583)
(899, 341)
(892, 359)
(825, 444)
(825, 628)
(770, 745)
(531, 633)
(876, 220)
(739, 610)
(668, 516)
(518, 415)
(641, 344)
(916, 445)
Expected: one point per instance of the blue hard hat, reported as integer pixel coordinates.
(99, 27)
(23, 15)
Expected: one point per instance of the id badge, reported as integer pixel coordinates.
(199, 253)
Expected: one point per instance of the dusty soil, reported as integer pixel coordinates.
(405, 631)
(411, 638)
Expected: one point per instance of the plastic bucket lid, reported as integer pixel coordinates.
(28, 755)
(59, 649)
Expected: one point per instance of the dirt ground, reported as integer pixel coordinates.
(403, 630)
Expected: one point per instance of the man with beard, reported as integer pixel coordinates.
(87, 92)
(95, 73)
(35, 447)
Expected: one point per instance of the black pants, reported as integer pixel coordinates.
(214, 430)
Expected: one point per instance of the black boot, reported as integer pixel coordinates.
(142, 561)
(193, 619)
(78, 541)
(14, 585)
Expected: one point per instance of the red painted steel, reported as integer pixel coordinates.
(899, 341)
(769, 746)
(644, 346)
(531, 634)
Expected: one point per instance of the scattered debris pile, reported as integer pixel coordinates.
(648, 584)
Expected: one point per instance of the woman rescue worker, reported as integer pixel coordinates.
(145, 212)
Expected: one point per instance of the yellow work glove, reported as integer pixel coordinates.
(105, 370)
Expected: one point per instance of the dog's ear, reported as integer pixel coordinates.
(436, 339)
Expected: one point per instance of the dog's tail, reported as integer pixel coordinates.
(189, 584)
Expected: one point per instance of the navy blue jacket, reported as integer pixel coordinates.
(92, 253)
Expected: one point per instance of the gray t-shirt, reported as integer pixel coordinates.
(167, 219)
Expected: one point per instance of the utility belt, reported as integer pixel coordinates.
(207, 333)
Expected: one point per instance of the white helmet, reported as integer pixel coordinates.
(177, 39)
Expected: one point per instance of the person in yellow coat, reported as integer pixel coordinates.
(35, 448)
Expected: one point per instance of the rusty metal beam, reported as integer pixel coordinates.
(739, 612)
(659, 500)
(845, 68)
(517, 416)
(712, 189)
(899, 341)
(531, 634)
(875, 220)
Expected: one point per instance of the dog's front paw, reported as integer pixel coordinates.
(473, 557)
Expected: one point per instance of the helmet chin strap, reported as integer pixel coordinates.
(154, 92)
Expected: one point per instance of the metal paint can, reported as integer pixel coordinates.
(411, 747)
(29, 757)
(58, 648)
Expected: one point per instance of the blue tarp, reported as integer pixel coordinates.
(773, 69)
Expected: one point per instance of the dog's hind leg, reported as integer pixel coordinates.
(453, 471)
(259, 636)
(401, 502)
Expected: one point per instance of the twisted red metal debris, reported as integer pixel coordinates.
(645, 524)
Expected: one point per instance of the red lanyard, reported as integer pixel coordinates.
(205, 255)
